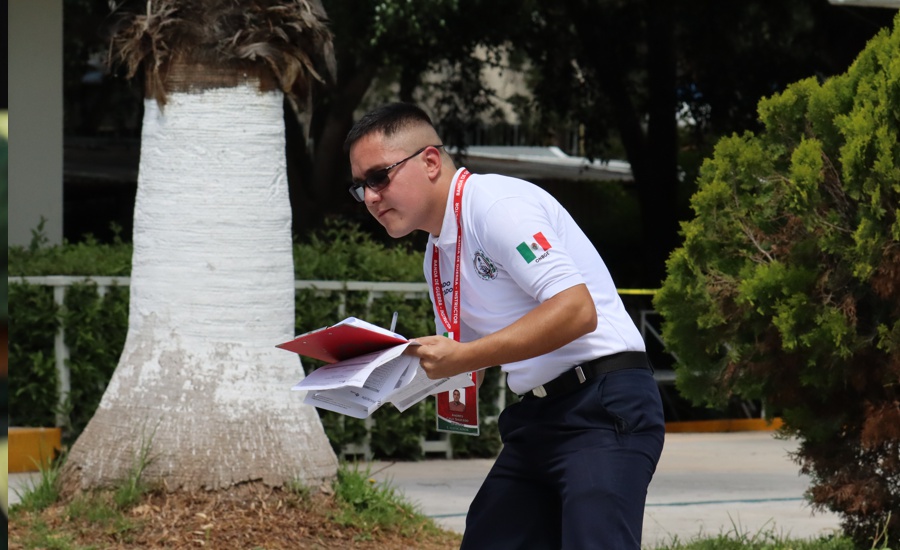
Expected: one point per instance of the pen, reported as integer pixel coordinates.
(394, 321)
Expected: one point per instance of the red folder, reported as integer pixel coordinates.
(340, 342)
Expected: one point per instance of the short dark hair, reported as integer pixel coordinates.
(388, 120)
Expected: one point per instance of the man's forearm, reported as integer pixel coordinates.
(553, 324)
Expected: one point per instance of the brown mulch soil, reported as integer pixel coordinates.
(245, 517)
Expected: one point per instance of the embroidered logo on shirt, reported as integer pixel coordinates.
(484, 266)
(528, 252)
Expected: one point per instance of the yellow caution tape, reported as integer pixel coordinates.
(638, 291)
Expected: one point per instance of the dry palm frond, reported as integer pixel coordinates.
(292, 38)
(289, 37)
(145, 39)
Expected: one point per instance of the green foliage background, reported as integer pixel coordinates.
(95, 328)
(787, 287)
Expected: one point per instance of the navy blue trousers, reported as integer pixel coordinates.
(574, 468)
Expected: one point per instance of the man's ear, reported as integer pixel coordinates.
(433, 162)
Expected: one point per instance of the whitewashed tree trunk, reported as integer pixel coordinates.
(200, 380)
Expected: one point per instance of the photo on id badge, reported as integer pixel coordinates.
(457, 410)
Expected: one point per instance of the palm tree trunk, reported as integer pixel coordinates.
(200, 382)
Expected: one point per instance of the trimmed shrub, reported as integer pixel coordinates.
(95, 329)
(787, 288)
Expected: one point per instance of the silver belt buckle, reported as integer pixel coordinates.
(579, 372)
(539, 391)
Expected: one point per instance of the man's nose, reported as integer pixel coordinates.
(370, 195)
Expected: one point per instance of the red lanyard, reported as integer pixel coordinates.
(451, 323)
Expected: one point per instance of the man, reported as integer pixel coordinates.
(456, 405)
(516, 283)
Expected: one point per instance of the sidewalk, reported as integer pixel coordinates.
(708, 483)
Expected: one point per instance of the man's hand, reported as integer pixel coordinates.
(440, 357)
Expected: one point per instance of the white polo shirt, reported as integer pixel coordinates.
(521, 247)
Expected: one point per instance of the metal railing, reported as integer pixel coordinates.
(374, 290)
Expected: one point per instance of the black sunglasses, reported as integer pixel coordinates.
(379, 179)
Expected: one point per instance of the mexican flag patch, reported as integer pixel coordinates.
(540, 244)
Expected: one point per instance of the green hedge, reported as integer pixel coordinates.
(95, 329)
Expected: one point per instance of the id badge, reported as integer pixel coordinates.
(457, 410)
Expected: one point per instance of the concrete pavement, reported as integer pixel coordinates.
(709, 483)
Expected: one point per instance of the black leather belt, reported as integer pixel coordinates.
(571, 379)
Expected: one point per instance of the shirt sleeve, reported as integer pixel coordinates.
(527, 239)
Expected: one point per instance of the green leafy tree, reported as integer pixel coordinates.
(655, 82)
(787, 288)
(623, 71)
(384, 50)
